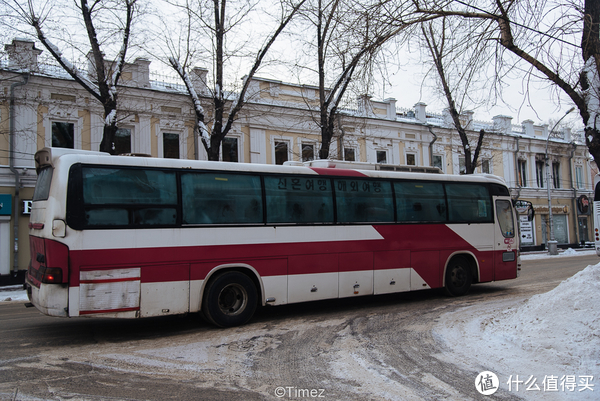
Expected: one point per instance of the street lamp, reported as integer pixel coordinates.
(552, 243)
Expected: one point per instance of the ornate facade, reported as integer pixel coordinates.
(277, 125)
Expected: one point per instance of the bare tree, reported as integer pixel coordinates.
(215, 21)
(102, 86)
(468, 57)
(349, 35)
(544, 35)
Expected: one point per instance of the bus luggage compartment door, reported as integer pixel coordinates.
(109, 291)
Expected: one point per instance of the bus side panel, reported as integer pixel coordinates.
(505, 266)
(481, 238)
(313, 277)
(428, 271)
(486, 266)
(165, 290)
(392, 271)
(356, 274)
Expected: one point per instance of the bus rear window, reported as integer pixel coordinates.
(42, 187)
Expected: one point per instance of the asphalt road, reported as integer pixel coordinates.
(366, 348)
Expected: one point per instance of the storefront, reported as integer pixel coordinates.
(571, 226)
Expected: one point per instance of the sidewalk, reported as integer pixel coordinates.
(561, 253)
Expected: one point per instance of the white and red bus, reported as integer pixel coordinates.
(117, 236)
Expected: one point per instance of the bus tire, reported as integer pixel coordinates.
(458, 277)
(230, 299)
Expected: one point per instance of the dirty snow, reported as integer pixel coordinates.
(13, 293)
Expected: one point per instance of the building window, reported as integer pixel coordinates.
(170, 146)
(382, 156)
(122, 143)
(281, 152)
(522, 173)
(437, 162)
(539, 173)
(62, 135)
(308, 152)
(579, 177)
(556, 174)
(230, 150)
(411, 159)
(349, 155)
(486, 166)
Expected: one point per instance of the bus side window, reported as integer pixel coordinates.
(221, 198)
(299, 200)
(364, 201)
(469, 203)
(420, 201)
(129, 196)
(505, 218)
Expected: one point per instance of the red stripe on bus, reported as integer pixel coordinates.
(423, 247)
(93, 312)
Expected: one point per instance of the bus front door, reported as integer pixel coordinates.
(506, 242)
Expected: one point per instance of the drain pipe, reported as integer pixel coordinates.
(574, 188)
(431, 146)
(14, 170)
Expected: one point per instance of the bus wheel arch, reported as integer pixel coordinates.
(230, 297)
(460, 272)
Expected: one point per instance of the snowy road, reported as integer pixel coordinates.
(417, 346)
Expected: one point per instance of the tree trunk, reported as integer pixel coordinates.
(110, 127)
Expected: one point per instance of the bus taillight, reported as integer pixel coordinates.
(52, 275)
(57, 262)
(49, 261)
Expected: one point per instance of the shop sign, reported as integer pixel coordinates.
(555, 209)
(526, 230)
(583, 204)
(27, 206)
(522, 206)
(5, 204)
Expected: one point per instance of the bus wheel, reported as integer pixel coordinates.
(230, 299)
(458, 277)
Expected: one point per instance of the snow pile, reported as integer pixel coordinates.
(562, 254)
(570, 251)
(556, 333)
(561, 325)
(13, 293)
